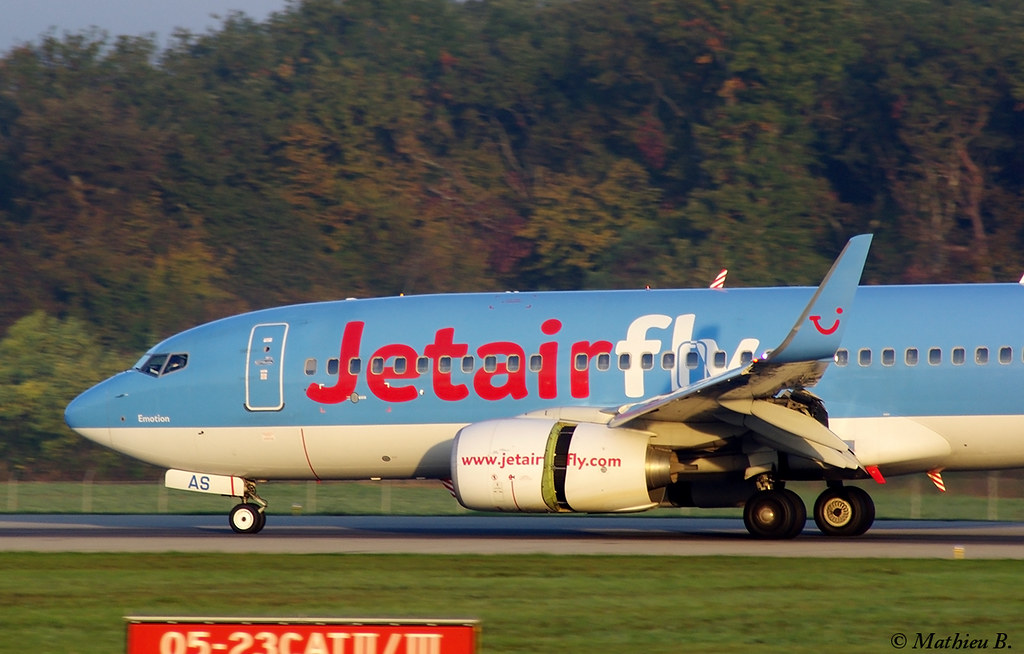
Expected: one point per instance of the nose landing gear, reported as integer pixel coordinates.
(250, 516)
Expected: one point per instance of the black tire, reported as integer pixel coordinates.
(867, 507)
(263, 521)
(844, 512)
(246, 519)
(770, 515)
(799, 517)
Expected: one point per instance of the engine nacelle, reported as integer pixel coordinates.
(542, 466)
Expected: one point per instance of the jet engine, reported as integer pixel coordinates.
(543, 466)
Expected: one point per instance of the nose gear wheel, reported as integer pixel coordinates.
(250, 516)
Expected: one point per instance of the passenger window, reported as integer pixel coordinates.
(332, 367)
(512, 363)
(1005, 355)
(646, 361)
(959, 356)
(604, 361)
(355, 366)
(981, 356)
(536, 362)
(625, 361)
(888, 357)
(692, 360)
(721, 359)
(444, 365)
(668, 361)
(310, 368)
(490, 363)
(400, 365)
(842, 357)
(468, 364)
(376, 365)
(581, 362)
(423, 365)
(911, 356)
(747, 356)
(864, 357)
(934, 356)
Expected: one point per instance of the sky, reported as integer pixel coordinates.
(25, 20)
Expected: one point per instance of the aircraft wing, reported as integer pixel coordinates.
(742, 396)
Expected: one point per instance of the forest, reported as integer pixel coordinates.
(373, 147)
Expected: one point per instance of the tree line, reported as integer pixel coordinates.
(357, 147)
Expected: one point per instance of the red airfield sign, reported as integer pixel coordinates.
(192, 635)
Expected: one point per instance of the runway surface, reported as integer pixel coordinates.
(615, 535)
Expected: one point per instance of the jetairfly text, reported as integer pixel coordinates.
(507, 376)
(510, 460)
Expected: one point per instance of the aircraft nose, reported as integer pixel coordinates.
(87, 415)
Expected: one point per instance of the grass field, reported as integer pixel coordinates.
(564, 604)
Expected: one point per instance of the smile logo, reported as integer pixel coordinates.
(826, 330)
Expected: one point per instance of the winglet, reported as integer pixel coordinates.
(819, 330)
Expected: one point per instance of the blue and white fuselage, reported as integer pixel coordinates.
(687, 397)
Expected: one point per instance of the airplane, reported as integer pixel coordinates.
(589, 401)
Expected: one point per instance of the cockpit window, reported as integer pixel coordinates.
(153, 365)
(175, 362)
(162, 364)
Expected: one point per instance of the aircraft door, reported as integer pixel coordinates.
(264, 368)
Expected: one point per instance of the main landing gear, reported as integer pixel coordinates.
(775, 514)
(778, 513)
(250, 516)
(844, 511)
